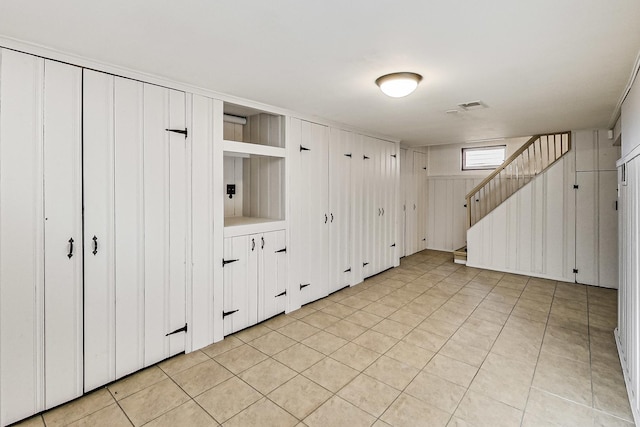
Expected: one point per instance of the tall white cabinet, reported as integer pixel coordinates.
(420, 164)
(40, 235)
(135, 186)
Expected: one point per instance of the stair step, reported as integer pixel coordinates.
(460, 255)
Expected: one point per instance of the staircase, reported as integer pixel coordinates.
(533, 158)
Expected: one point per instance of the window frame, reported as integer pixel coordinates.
(463, 157)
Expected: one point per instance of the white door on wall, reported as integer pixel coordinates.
(240, 297)
(312, 210)
(135, 225)
(402, 205)
(40, 235)
(370, 207)
(272, 295)
(422, 196)
(340, 205)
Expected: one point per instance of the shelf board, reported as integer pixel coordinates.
(242, 149)
(243, 225)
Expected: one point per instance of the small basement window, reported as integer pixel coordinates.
(481, 158)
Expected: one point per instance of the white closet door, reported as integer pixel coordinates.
(21, 237)
(238, 312)
(129, 225)
(608, 229)
(340, 202)
(314, 212)
(403, 195)
(411, 233)
(587, 228)
(357, 209)
(99, 254)
(391, 211)
(371, 210)
(63, 232)
(422, 193)
(272, 280)
(165, 220)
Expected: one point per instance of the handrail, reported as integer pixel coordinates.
(504, 164)
(515, 172)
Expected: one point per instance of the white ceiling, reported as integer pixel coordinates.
(540, 66)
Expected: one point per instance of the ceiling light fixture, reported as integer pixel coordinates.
(397, 85)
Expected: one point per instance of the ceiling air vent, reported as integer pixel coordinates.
(473, 105)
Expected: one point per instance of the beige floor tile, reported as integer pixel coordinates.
(451, 370)
(458, 422)
(272, 343)
(304, 311)
(392, 328)
(35, 421)
(407, 411)
(445, 315)
(610, 393)
(279, 321)
(263, 413)
(501, 387)
(267, 375)
(337, 412)
(516, 347)
(369, 394)
(392, 372)
(355, 356)
(339, 310)
(556, 410)
(410, 354)
(427, 340)
(320, 319)
(298, 330)
(330, 374)
(252, 333)
(513, 368)
(407, 318)
(467, 336)
(438, 327)
(79, 408)
(436, 391)
(564, 377)
(346, 330)
(240, 358)
(228, 343)
(188, 414)
(464, 353)
(364, 319)
(496, 306)
(202, 377)
(227, 399)
(355, 302)
(566, 343)
(111, 416)
(478, 409)
(136, 382)
(376, 341)
(299, 357)
(153, 401)
(181, 362)
(300, 396)
(324, 342)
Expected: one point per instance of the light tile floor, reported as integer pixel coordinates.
(428, 343)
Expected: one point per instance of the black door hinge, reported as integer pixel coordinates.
(304, 286)
(281, 294)
(364, 264)
(183, 329)
(393, 246)
(425, 168)
(575, 186)
(424, 240)
(282, 250)
(225, 261)
(616, 205)
(465, 205)
(364, 157)
(347, 270)
(348, 155)
(575, 270)
(393, 155)
(304, 148)
(226, 313)
(180, 131)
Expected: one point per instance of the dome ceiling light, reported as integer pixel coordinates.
(397, 85)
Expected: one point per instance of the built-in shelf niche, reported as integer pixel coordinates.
(249, 125)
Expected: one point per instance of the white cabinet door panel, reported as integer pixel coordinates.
(21, 236)
(608, 229)
(63, 232)
(238, 312)
(587, 228)
(272, 275)
(99, 224)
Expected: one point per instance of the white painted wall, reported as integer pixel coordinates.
(532, 232)
(629, 120)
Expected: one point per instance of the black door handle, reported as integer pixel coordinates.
(325, 218)
(70, 254)
(253, 244)
(262, 243)
(331, 217)
(382, 211)
(95, 245)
